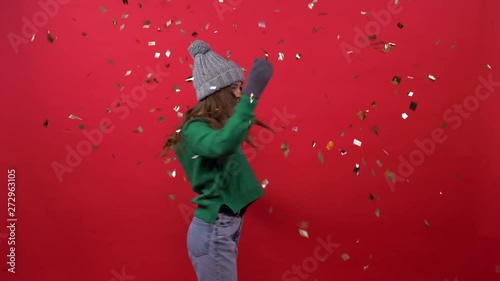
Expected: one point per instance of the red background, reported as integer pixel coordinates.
(111, 213)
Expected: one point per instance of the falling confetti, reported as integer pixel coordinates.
(379, 163)
(362, 115)
(356, 169)
(488, 66)
(375, 129)
(329, 146)
(190, 79)
(371, 197)
(161, 119)
(262, 24)
(396, 80)
(285, 149)
(313, 144)
(128, 73)
(410, 94)
(281, 56)
(176, 89)
(371, 37)
(74, 117)
(363, 161)
(311, 5)
(303, 233)
(400, 25)
(356, 142)
(427, 223)
(46, 122)
(365, 268)
(124, 16)
(303, 224)
(140, 130)
(404, 116)
(264, 183)
(413, 105)
(388, 47)
(151, 43)
(103, 10)
(122, 27)
(432, 78)
(342, 133)
(50, 38)
(364, 13)
(374, 105)
(84, 34)
(138, 163)
(321, 157)
(171, 173)
(81, 127)
(377, 213)
(147, 24)
(295, 129)
(345, 256)
(171, 196)
(343, 152)
(157, 55)
(297, 56)
(390, 175)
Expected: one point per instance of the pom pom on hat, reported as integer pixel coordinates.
(199, 47)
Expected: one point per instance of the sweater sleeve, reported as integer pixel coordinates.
(211, 143)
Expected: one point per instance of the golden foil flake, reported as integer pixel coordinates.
(413, 106)
(281, 56)
(285, 149)
(228, 54)
(176, 89)
(342, 152)
(171, 196)
(196, 156)
(387, 153)
(388, 47)
(122, 27)
(321, 157)
(342, 133)
(262, 24)
(488, 66)
(108, 110)
(265, 53)
(264, 183)
(404, 116)
(361, 115)
(374, 105)
(329, 146)
(410, 94)
(364, 13)
(172, 173)
(147, 24)
(396, 80)
(303, 224)
(379, 163)
(167, 53)
(426, 223)
(190, 79)
(390, 175)
(114, 22)
(49, 37)
(124, 16)
(345, 257)
(356, 142)
(128, 72)
(151, 43)
(377, 213)
(375, 129)
(168, 23)
(46, 122)
(432, 78)
(396, 2)
(81, 127)
(33, 38)
(161, 119)
(181, 61)
(157, 55)
(371, 197)
(303, 233)
(112, 62)
(183, 32)
(103, 9)
(371, 37)
(74, 117)
(400, 25)
(180, 114)
(373, 173)
(140, 129)
(313, 144)
(311, 5)
(356, 169)
(298, 56)
(177, 23)
(295, 129)
(363, 161)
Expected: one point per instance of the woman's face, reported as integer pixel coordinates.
(237, 88)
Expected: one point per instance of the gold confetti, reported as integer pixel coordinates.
(108, 110)
(157, 55)
(264, 183)
(427, 223)
(345, 257)
(74, 117)
(361, 115)
(46, 122)
(103, 10)
(128, 72)
(375, 129)
(177, 23)
(140, 130)
(161, 119)
(176, 89)
(356, 142)
(303, 224)
(262, 24)
(303, 233)
(390, 175)
(190, 79)
(311, 5)
(342, 133)
(342, 152)
(410, 94)
(168, 24)
(413, 105)
(379, 163)
(228, 54)
(432, 78)
(377, 213)
(172, 173)
(396, 80)
(374, 105)
(50, 38)
(285, 149)
(387, 153)
(281, 56)
(356, 169)
(329, 146)
(81, 127)
(364, 13)
(151, 43)
(404, 116)
(147, 24)
(321, 158)
(400, 25)
(313, 144)
(488, 66)
(297, 56)
(295, 129)
(177, 108)
(124, 16)
(122, 27)
(388, 47)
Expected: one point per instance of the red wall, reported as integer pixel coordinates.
(114, 213)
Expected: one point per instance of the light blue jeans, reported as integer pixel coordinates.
(213, 248)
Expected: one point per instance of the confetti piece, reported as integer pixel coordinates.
(138, 163)
(321, 158)
(33, 38)
(84, 34)
(365, 268)
(81, 127)
(432, 78)
(371, 37)
(342, 152)
(262, 24)
(95, 147)
(410, 94)
(168, 24)
(176, 89)
(270, 210)
(361, 115)
(363, 161)
(388, 47)
(342, 133)
(345, 256)
(281, 56)
(375, 129)
(303, 233)
(374, 105)
(264, 183)
(379, 163)
(161, 119)
(177, 23)
(396, 80)
(297, 56)
(488, 66)
(196, 156)
(427, 223)
(122, 27)
(103, 10)
(364, 13)
(377, 213)
(371, 197)
(285, 149)
(313, 144)
(390, 175)
(46, 122)
(404, 115)
(338, 37)
(329, 146)
(147, 24)
(74, 117)
(172, 173)
(124, 16)
(311, 5)
(190, 79)
(128, 73)
(50, 38)
(151, 43)
(180, 114)
(373, 173)
(356, 142)
(303, 224)
(108, 110)
(400, 25)
(413, 105)
(140, 130)
(171, 196)
(228, 54)
(356, 169)
(295, 129)
(157, 55)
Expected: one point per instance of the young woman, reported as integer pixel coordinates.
(208, 146)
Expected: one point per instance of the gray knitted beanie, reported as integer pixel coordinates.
(212, 72)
